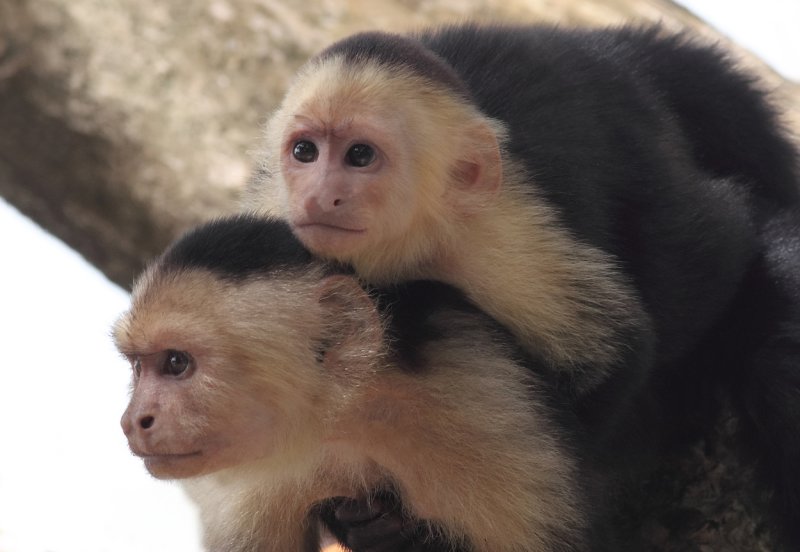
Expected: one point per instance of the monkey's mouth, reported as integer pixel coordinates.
(170, 456)
(326, 227)
(328, 238)
(158, 455)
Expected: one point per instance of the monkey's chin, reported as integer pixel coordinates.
(175, 466)
(328, 240)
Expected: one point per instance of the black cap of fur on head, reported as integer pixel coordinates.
(397, 51)
(238, 247)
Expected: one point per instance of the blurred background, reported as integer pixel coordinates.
(124, 122)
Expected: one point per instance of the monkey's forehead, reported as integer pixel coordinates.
(194, 309)
(334, 97)
(395, 52)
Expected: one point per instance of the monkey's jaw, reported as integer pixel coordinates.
(329, 239)
(174, 466)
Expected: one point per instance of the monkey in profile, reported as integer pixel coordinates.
(624, 201)
(271, 383)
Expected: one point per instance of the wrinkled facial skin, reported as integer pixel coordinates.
(181, 423)
(375, 167)
(221, 372)
(347, 181)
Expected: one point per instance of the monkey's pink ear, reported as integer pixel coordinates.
(353, 332)
(479, 172)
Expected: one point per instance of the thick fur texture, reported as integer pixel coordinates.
(410, 389)
(625, 201)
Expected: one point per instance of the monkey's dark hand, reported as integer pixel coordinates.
(374, 525)
(378, 525)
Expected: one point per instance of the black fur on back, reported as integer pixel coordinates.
(733, 130)
(663, 153)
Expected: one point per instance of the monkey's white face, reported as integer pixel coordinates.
(200, 402)
(348, 181)
(376, 167)
(182, 422)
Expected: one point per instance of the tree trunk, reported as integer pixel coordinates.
(125, 122)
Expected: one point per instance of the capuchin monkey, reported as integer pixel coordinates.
(274, 385)
(624, 201)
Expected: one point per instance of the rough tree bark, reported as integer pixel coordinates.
(124, 122)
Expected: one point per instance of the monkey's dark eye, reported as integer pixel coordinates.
(136, 366)
(176, 363)
(360, 155)
(305, 151)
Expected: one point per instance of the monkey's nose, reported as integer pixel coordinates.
(130, 424)
(319, 205)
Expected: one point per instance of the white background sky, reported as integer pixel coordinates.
(67, 481)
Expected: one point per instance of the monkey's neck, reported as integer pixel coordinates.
(267, 507)
(561, 298)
